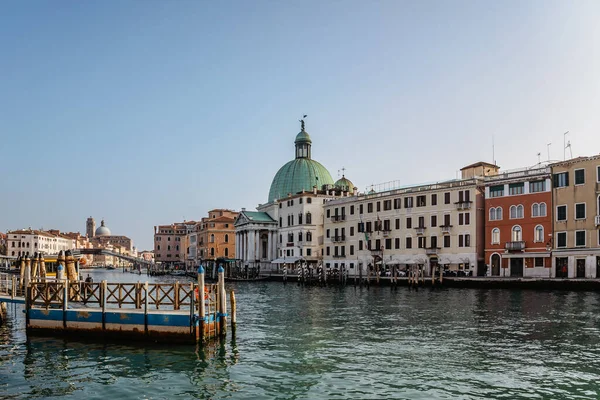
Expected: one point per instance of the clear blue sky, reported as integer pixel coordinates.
(148, 112)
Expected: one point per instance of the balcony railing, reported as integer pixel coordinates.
(463, 205)
(515, 246)
(431, 251)
(376, 253)
(339, 255)
(597, 220)
(305, 243)
(338, 218)
(420, 230)
(338, 239)
(446, 228)
(385, 232)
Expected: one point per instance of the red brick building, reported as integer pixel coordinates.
(518, 223)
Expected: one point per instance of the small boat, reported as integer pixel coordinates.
(177, 272)
(111, 267)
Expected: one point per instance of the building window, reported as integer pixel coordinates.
(434, 220)
(517, 234)
(351, 231)
(308, 252)
(447, 198)
(212, 251)
(421, 201)
(369, 207)
(495, 236)
(397, 223)
(360, 245)
(538, 186)
(460, 218)
(409, 242)
(299, 236)
(516, 212)
(561, 213)
(360, 209)
(308, 218)
(397, 243)
(539, 234)
(580, 176)
(388, 244)
(378, 206)
(539, 262)
(408, 223)
(579, 238)
(408, 202)
(434, 199)
(300, 219)
(328, 251)
(447, 241)
(421, 242)
(515, 188)
(497, 191)
(387, 205)
(561, 179)
(226, 238)
(580, 211)
(398, 202)
(351, 210)
(169, 247)
(308, 237)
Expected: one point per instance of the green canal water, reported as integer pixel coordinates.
(347, 343)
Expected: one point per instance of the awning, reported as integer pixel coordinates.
(287, 260)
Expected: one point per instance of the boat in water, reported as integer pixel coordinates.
(177, 272)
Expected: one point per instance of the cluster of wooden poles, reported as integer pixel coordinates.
(35, 268)
(221, 306)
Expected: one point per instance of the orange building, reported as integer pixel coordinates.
(216, 235)
(518, 223)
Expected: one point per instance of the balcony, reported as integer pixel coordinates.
(385, 232)
(431, 251)
(377, 253)
(338, 239)
(597, 220)
(463, 205)
(446, 228)
(339, 255)
(338, 218)
(515, 246)
(420, 230)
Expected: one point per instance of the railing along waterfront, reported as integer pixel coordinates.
(181, 311)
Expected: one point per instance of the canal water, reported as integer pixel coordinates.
(348, 343)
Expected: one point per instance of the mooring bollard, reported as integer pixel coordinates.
(233, 313)
(22, 271)
(27, 277)
(60, 272)
(42, 267)
(34, 266)
(201, 305)
(222, 303)
(70, 266)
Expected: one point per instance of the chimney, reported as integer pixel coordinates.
(315, 189)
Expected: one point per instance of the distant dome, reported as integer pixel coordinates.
(344, 184)
(300, 174)
(102, 230)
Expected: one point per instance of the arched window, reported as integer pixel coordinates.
(212, 251)
(517, 234)
(212, 237)
(226, 252)
(513, 212)
(308, 237)
(539, 234)
(520, 211)
(299, 236)
(169, 247)
(535, 210)
(492, 214)
(495, 236)
(309, 218)
(280, 238)
(498, 213)
(542, 209)
(226, 238)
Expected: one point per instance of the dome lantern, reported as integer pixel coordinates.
(303, 142)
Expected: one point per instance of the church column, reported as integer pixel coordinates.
(251, 246)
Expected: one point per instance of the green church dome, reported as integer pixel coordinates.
(300, 174)
(344, 184)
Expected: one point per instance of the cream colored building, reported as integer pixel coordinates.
(30, 241)
(576, 202)
(425, 225)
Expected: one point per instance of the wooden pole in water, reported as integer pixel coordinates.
(27, 277)
(233, 313)
(60, 269)
(441, 276)
(42, 267)
(34, 266)
(22, 271)
(201, 304)
(222, 305)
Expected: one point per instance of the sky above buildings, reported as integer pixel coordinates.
(151, 112)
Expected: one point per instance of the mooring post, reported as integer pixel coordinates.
(22, 272)
(65, 303)
(42, 268)
(34, 265)
(146, 307)
(222, 303)
(103, 297)
(201, 304)
(441, 276)
(233, 313)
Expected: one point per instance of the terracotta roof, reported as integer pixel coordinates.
(480, 164)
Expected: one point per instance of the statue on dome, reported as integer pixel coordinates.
(302, 122)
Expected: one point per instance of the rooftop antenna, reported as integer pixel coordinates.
(539, 158)
(565, 145)
(548, 146)
(493, 151)
(570, 149)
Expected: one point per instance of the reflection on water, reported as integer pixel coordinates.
(307, 343)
